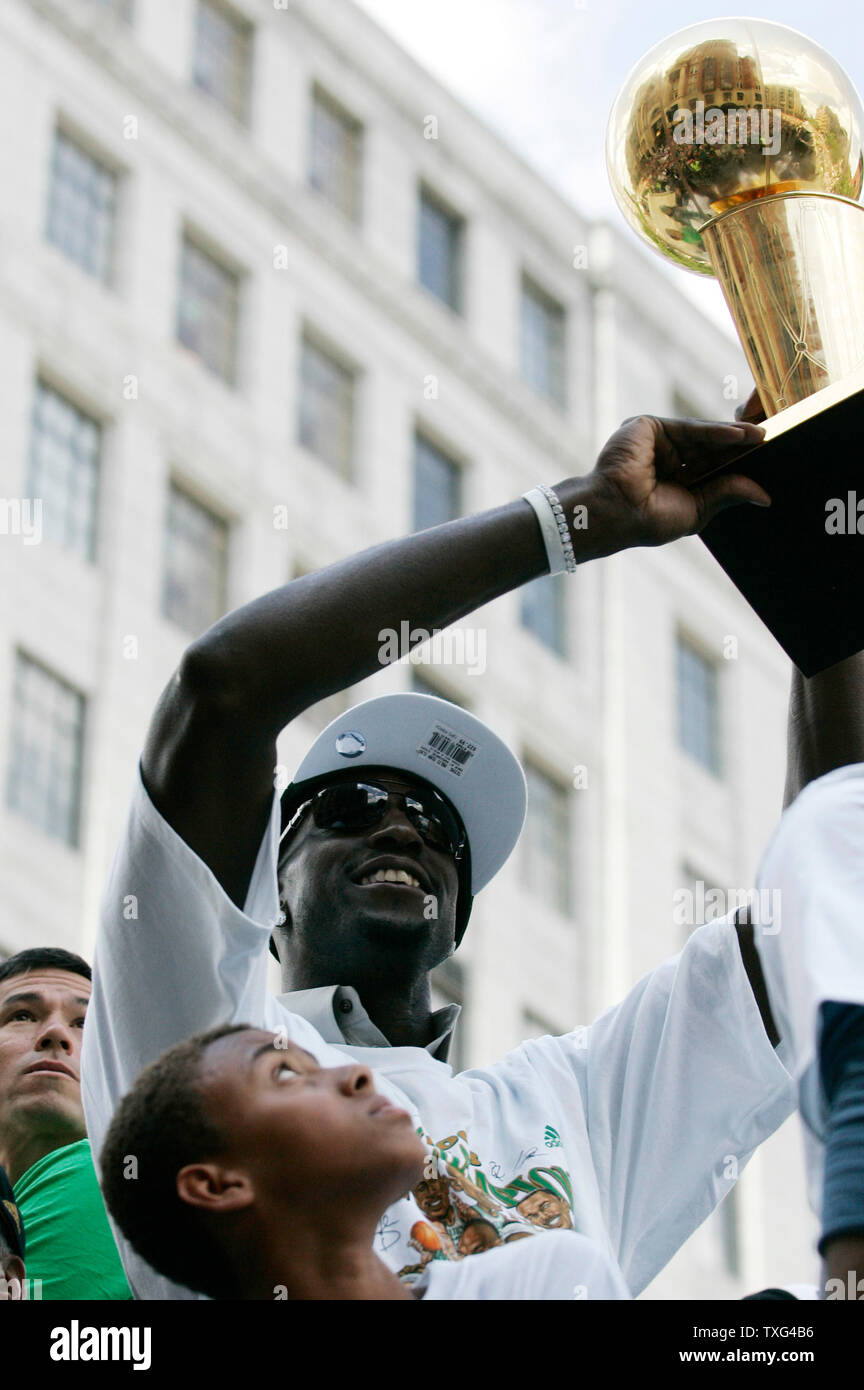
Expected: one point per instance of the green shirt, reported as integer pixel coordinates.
(69, 1242)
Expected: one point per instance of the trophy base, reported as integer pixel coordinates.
(800, 562)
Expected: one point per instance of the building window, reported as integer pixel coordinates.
(437, 485)
(47, 731)
(542, 608)
(64, 471)
(334, 155)
(546, 840)
(448, 987)
(327, 404)
(698, 706)
(82, 204)
(207, 310)
(543, 323)
(223, 56)
(195, 581)
(440, 251)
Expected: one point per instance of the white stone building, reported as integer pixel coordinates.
(270, 294)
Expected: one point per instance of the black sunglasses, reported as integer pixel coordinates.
(358, 805)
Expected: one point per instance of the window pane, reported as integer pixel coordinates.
(196, 564)
(542, 611)
(64, 471)
(334, 155)
(437, 486)
(326, 419)
(698, 713)
(223, 56)
(546, 840)
(440, 252)
(207, 310)
(542, 343)
(47, 728)
(81, 207)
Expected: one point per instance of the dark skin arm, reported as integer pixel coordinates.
(209, 758)
(825, 731)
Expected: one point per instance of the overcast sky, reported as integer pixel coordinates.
(544, 73)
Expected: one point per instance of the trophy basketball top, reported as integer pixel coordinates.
(724, 112)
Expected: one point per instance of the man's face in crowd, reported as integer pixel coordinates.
(433, 1198)
(303, 1134)
(337, 904)
(41, 1025)
(545, 1209)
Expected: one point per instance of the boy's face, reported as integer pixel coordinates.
(305, 1133)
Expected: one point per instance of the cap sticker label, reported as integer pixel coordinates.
(447, 749)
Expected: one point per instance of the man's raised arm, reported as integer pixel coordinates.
(209, 759)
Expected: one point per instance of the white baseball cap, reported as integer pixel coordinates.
(441, 744)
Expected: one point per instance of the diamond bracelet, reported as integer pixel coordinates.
(553, 525)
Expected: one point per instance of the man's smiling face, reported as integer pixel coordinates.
(545, 1209)
(351, 894)
(41, 1026)
(433, 1198)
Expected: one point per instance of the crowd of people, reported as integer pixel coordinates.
(172, 1129)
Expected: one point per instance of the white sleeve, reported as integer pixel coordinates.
(680, 1085)
(174, 957)
(814, 870)
(557, 1265)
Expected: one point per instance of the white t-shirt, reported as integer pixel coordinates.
(562, 1266)
(621, 1131)
(811, 944)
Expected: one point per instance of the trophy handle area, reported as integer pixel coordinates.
(791, 267)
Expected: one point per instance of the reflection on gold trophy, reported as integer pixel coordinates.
(735, 150)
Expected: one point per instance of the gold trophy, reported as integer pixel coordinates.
(735, 150)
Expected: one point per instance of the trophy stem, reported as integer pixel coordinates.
(791, 268)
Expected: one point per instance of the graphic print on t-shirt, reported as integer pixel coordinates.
(466, 1213)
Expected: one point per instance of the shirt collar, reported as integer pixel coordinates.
(335, 1011)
